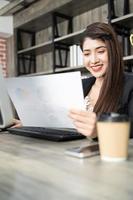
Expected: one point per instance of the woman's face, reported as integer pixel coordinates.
(95, 57)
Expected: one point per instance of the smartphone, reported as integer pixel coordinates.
(84, 151)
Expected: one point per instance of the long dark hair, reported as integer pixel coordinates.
(112, 87)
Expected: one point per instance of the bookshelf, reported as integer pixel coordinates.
(61, 11)
(123, 26)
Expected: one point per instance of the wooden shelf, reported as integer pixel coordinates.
(71, 38)
(125, 21)
(70, 69)
(40, 73)
(43, 19)
(37, 49)
(128, 58)
(61, 70)
(45, 47)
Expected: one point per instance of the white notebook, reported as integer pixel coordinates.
(45, 100)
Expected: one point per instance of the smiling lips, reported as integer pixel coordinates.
(96, 68)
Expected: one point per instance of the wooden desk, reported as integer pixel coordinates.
(32, 169)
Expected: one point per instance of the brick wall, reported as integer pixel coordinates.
(3, 56)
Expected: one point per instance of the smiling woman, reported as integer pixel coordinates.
(110, 89)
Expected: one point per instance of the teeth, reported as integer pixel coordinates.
(97, 66)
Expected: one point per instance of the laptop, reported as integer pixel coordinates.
(6, 109)
(43, 102)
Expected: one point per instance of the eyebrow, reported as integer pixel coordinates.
(96, 48)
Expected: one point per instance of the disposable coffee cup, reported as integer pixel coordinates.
(113, 135)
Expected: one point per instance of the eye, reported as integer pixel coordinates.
(86, 53)
(101, 51)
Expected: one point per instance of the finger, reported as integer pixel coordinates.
(17, 123)
(90, 131)
(78, 112)
(88, 119)
(74, 113)
(84, 132)
(87, 126)
(16, 126)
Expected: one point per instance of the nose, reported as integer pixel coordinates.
(93, 58)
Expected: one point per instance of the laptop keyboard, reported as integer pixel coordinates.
(53, 134)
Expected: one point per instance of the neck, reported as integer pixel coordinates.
(99, 82)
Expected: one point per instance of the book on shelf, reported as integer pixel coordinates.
(76, 58)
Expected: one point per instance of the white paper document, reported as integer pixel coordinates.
(45, 100)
